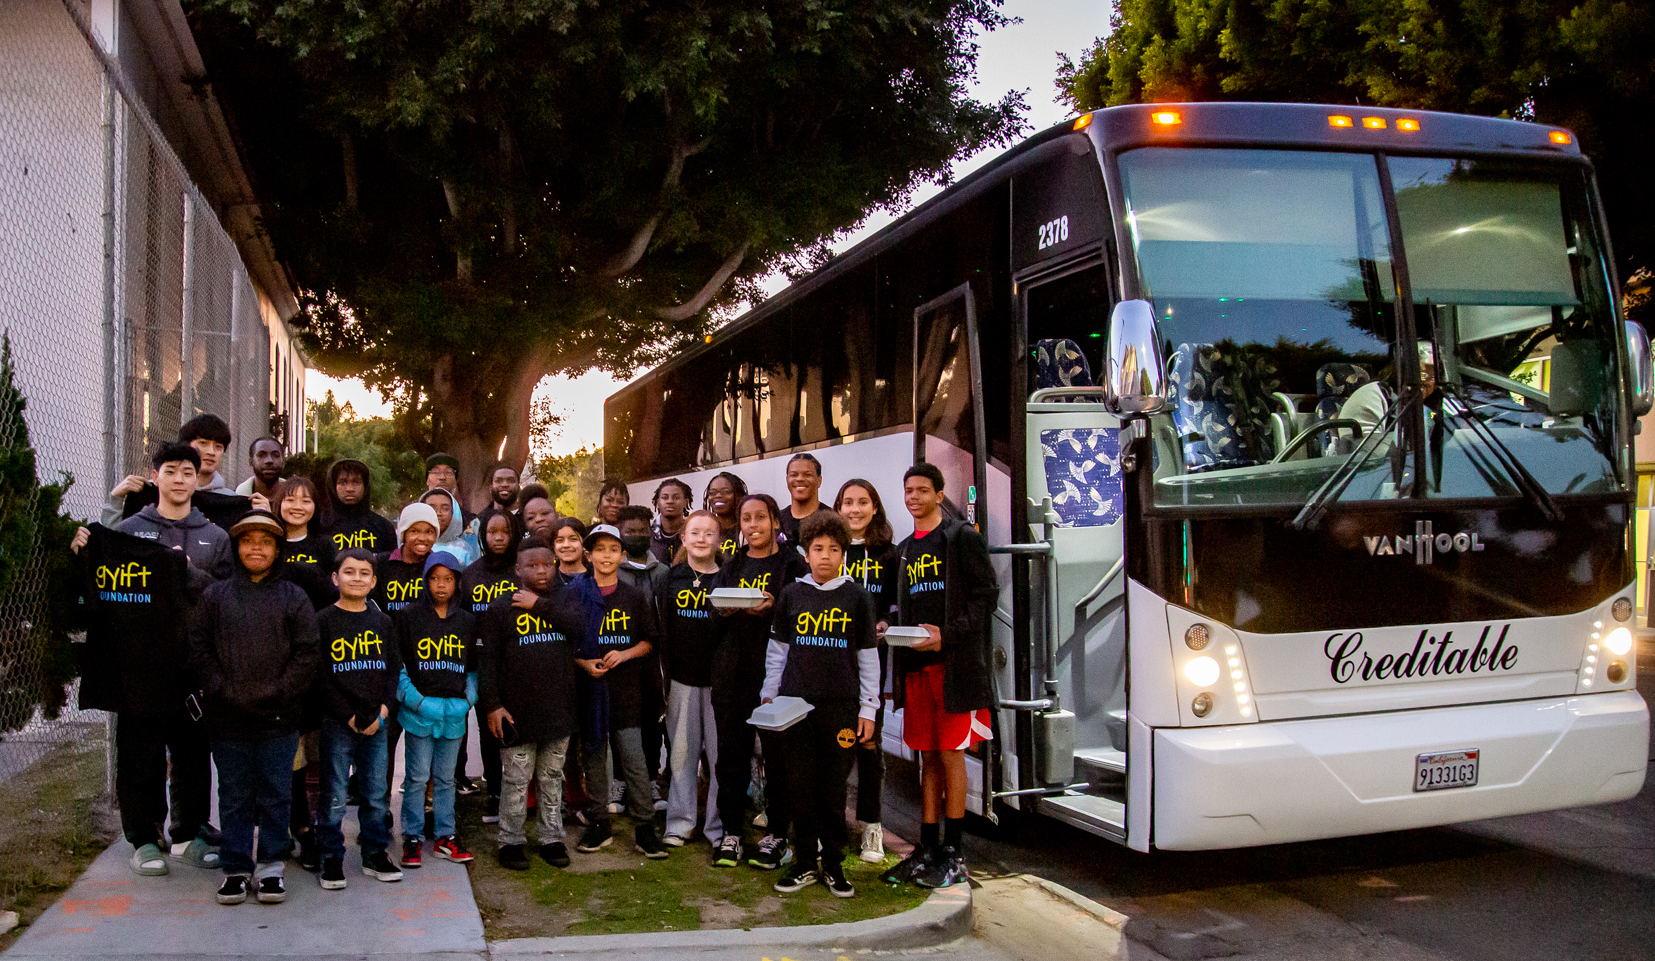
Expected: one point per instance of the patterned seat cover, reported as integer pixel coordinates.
(1334, 385)
(1059, 363)
(1220, 406)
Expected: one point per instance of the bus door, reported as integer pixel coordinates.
(950, 432)
(1072, 679)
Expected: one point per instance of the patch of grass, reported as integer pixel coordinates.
(618, 891)
(57, 819)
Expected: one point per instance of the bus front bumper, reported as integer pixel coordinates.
(1273, 782)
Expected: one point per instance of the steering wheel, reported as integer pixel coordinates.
(1332, 423)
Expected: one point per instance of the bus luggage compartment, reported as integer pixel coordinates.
(1268, 783)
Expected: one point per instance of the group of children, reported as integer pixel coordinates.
(597, 644)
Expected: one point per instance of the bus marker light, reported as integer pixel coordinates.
(1562, 137)
(1083, 121)
(1408, 124)
(1166, 118)
(1616, 672)
(1339, 120)
(1197, 637)
(1202, 671)
(1202, 705)
(1621, 610)
(1619, 641)
(1374, 123)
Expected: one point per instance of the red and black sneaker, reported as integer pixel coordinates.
(410, 853)
(450, 849)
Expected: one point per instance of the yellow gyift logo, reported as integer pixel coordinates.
(363, 538)
(436, 648)
(488, 593)
(362, 645)
(867, 566)
(402, 590)
(688, 598)
(762, 582)
(302, 559)
(828, 621)
(925, 564)
(529, 624)
(615, 621)
(122, 576)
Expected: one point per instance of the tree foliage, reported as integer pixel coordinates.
(37, 592)
(573, 480)
(476, 194)
(1588, 65)
(398, 471)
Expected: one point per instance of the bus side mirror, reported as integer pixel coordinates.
(1643, 372)
(1137, 372)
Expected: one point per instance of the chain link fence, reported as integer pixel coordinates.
(128, 310)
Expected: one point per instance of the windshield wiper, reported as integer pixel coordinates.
(1522, 479)
(1316, 505)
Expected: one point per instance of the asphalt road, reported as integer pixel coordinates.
(1569, 884)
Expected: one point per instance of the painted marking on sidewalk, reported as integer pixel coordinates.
(100, 907)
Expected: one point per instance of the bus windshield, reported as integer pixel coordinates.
(1271, 272)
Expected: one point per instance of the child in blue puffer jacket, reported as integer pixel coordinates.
(436, 690)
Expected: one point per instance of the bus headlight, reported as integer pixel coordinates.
(1202, 705)
(1619, 641)
(1621, 610)
(1202, 671)
(1616, 672)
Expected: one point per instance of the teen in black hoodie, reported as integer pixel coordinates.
(491, 578)
(738, 673)
(253, 645)
(352, 521)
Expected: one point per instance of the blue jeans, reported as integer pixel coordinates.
(341, 748)
(255, 789)
(428, 759)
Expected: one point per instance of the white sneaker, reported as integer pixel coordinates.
(656, 798)
(673, 841)
(617, 797)
(873, 843)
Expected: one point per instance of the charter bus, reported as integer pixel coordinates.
(1302, 439)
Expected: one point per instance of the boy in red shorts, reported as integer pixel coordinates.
(942, 685)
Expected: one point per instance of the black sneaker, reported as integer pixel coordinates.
(332, 877)
(555, 854)
(727, 852)
(491, 810)
(907, 869)
(377, 864)
(770, 854)
(233, 890)
(947, 869)
(512, 857)
(465, 786)
(596, 837)
(833, 875)
(648, 844)
(310, 853)
(272, 890)
(797, 878)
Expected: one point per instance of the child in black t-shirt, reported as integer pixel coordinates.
(822, 649)
(689, 636)
(360, 667)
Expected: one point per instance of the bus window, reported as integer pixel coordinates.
(1073, 307)
(1270, 272)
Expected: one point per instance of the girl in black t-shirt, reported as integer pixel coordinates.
(871, 561)
(308, 553)
(738, 674)
(689, 638)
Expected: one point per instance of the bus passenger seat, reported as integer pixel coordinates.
(1209, 414)
(1334, 385)
(1059, 363)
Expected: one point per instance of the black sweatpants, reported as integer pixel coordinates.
(820, 751)
(735, 770)
(870, 762)
(141, 780)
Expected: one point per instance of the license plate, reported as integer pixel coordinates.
(1449, 769)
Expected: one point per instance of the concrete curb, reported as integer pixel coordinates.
(944, 917)
(1107, 915)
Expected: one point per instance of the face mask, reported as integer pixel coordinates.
(635, 546)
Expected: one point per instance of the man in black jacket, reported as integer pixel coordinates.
(253, 644)
(351, 520)
(942, 684)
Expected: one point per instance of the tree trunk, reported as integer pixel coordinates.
(466, 432)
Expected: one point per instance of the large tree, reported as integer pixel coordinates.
(1585, 64)
(473, 194)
